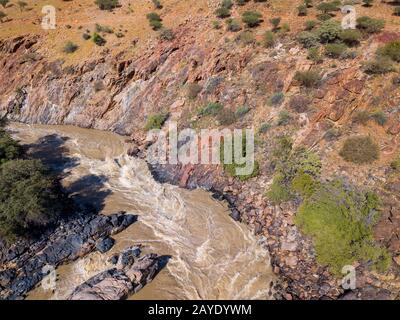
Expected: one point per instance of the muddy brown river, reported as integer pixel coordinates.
(212, 256)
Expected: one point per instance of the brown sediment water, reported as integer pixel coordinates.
(212, 256)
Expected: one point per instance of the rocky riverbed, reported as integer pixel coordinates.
(22, 264)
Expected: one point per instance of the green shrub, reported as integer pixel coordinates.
(304, 184)
(252, 18)
(302, 10)
(269, 39)
(360, 150)
(329, 31)
(380, 65)
(340, 221)
(308, 39)
(246, 37)
(70, 47)
(278, 191)
(107, 4)
(98, 39)
(222, 13)
(29, 198)
(314, 55)
(242, 111)
(370, 25)
(167, 34)
(233, 25)
(276, 99)
(156, 121)
(391, 50)
(309, 79)
(310, 24)
(284, 118)
(230, 169)
(104, 29)
(335, 50)
(350, 37)
(264, 127)
(395, 164)
(361, 117)
(155, 20)
(211, 109)
(275, 22)
(379, 117)
(9, 148)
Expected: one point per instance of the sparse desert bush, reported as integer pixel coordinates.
(167, 34)
(370, 25)
(211, 109)
(252, 18)
(70, 47)
(276, 99)
(360, 150)
(308, 39)
(308, 79)
(391, 50)
(310, 25)
(314, 55)
(284, 118)
(269, 39)
(156, 121)
(98, 39)
(233, 25)
(335, 50)
(299, 103)
(379, 65)
(350, 37)
(107, 4)
(242, 111)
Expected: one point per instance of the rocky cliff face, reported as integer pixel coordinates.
(113, 92)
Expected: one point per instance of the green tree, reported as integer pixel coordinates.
(252, 18)
(107, 4)
(30, 198)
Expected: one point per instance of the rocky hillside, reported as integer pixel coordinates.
(285, 68)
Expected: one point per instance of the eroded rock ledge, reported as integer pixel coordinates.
(22, 263)
(117, 283)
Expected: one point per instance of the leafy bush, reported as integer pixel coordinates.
(156, 121)
(29, 198)
(70, 47)
(252, 18)
(340, 221)
(329, 31)
(275, 22)
(242, 111)
(379, 117)
(308, 39)
(284, 118)
(211, 109)
(391, 50)
(310, 24)
(314, 55)
(370, 25)
(154, 20)
(269, 39)
(380, 65)
(230, 168)
(302, 10)
(350, 37)
(276, 99)
(278, 191)
(233, 25)
(222, 12)
(360, 150)
(107, 4)
(309, 79)
(335, 50)
(98, 39)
